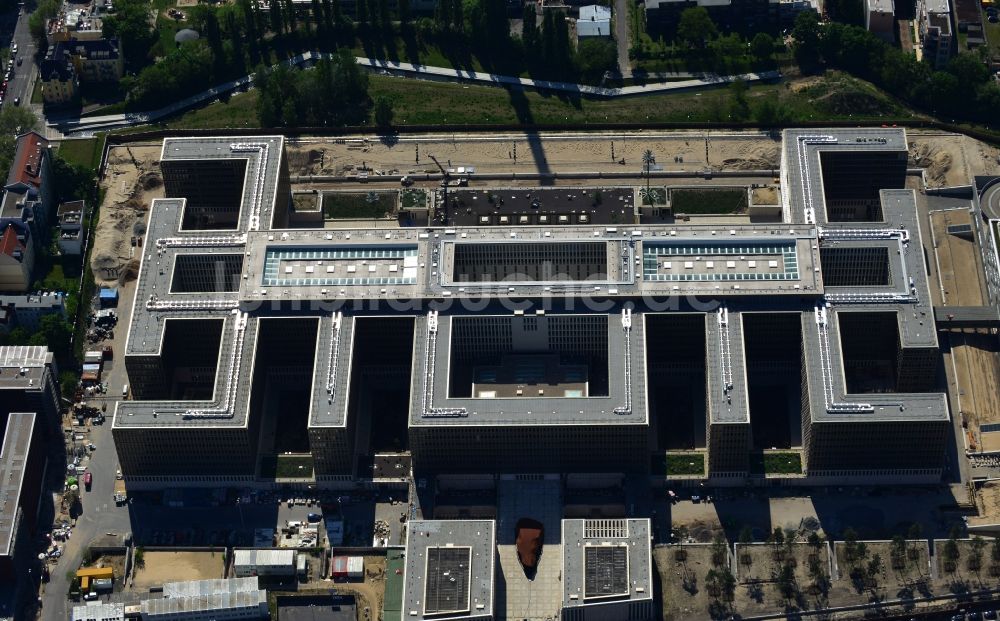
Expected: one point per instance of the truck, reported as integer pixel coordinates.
(120, 496)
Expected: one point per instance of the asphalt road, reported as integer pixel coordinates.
(100, 515)
(23, 80)
(621, 36)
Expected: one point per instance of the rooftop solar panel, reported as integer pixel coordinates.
(447, 585)
(605, 571)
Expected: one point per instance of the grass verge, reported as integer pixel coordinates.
(83, 151)
(708, 201)
(417, 102)
(287, 467)
(349, 205)
(776, 463)
(685, 464)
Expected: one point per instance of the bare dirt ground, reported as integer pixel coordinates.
(131, 181)
(975, 356)
(963, 573)
(906, 575)
(958, 260)
(759, 566)
(682, 572)
(988, 505)
(951, 159)
(115, 561)
(132, 177)
(160, 567)
(370, 593)
(592, 152)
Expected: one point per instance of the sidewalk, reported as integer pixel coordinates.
(420, 72)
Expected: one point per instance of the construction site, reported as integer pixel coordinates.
(715, 311)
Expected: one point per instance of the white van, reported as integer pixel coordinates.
(125, 390)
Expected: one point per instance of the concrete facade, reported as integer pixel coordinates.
(233, 314)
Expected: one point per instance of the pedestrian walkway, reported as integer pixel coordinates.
(420, 72)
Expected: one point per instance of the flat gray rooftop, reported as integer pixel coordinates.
(337, 275)
(449, 570)
(801, 170)
(606, 560)
(23, 367)
(13, 460)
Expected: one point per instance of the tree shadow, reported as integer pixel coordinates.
(755, 591)
(411, 47)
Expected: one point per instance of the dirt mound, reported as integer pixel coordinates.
(305, 161)
(843, 102)
(737, 163)
(936, 163)
(150, 181)
(129, 272)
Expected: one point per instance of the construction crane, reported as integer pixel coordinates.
(444, 188)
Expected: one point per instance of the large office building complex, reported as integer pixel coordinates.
(495, 347)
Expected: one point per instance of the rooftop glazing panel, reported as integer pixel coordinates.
(389, 265)
(688, 262)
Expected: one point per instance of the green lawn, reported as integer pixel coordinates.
(83, 151)
(287, 467)
(685, 464)
(435, 103)
(413, 198)
(708, 201)
(992, 32)
(776, 463)
(656, 196)
(351, 205)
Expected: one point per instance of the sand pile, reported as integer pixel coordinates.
(935, 161)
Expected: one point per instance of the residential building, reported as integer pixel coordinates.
(17, 258)
(29, 382)
(934, 25)
(880, 19)
(29, 192)
(28, 418)
(96, 61)
(72, 227)
(26, 311)
(594, 21)
(729, 14)
(60, 83)
(73, 60)
(75, 22)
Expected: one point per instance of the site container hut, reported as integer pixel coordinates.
(108, 297)
(103, 585)
(278, 563)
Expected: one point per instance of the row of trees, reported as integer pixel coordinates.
(334, 93)
(963, 90)
(238, 36)
(699, 43)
